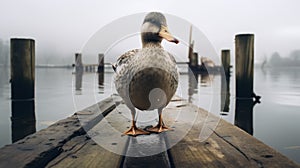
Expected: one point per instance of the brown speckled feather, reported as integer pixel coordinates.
(124, 58)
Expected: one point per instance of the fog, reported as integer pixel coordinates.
(62, 28)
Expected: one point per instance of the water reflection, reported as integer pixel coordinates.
(206, 79)
(101, 82)
(244, 114)
(78, 80)
(225, 94)
(23, 121)
(193, 84)
(243, 107)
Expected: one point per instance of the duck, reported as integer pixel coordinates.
(147, 78)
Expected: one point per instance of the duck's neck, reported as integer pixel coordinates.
(152, 45)
(151, 40)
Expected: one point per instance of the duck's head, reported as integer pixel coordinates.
(155, 29)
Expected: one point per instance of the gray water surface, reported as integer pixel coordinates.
(275, 119)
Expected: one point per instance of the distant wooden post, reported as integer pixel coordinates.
(244, 58)
(22, 68)
(225, 93)
(100, 70)
(194, 60)
(78, 59)
(193, 56)
(79, 71)
(225, 56)
(100, 63)
(78, 63)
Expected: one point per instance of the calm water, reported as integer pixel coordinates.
(275, 119)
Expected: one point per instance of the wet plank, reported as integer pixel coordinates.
(40, 148)
(102, 146)
(221, 145)
(93, 138)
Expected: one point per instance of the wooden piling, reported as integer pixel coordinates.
(101, 63)
(23, 120)
(225, 56)
(78, 63)
(194, 60)
(22, 68)
(22, 87)
(244, 58)
(244, 114)
(225, 93)
(78, 59)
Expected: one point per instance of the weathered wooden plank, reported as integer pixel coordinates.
(138, 151)
(108, 147)
(227, 146)
(38, 149)
(82, 151)
(151, 150)
(257, 152)
(102, 146)
(190, 152)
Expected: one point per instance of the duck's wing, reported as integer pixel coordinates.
(172, 58)
(124, 59)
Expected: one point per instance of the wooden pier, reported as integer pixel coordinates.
(67, 143)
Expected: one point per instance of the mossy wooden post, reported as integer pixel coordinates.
(100, 63)
(244, 58)
(225, 56)
(22, 68)
(22, 87)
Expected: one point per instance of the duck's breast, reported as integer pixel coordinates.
(154, 80)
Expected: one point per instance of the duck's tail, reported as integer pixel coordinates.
(114, 67)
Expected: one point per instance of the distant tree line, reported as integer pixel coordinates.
(292, 60)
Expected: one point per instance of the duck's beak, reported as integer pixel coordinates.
(164, 33)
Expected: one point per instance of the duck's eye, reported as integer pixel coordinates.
(166, 31)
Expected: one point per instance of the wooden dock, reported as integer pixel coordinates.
(73, 142)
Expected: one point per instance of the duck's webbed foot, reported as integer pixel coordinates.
(158, 128)
(134, 131)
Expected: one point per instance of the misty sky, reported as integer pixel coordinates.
(65, 26)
